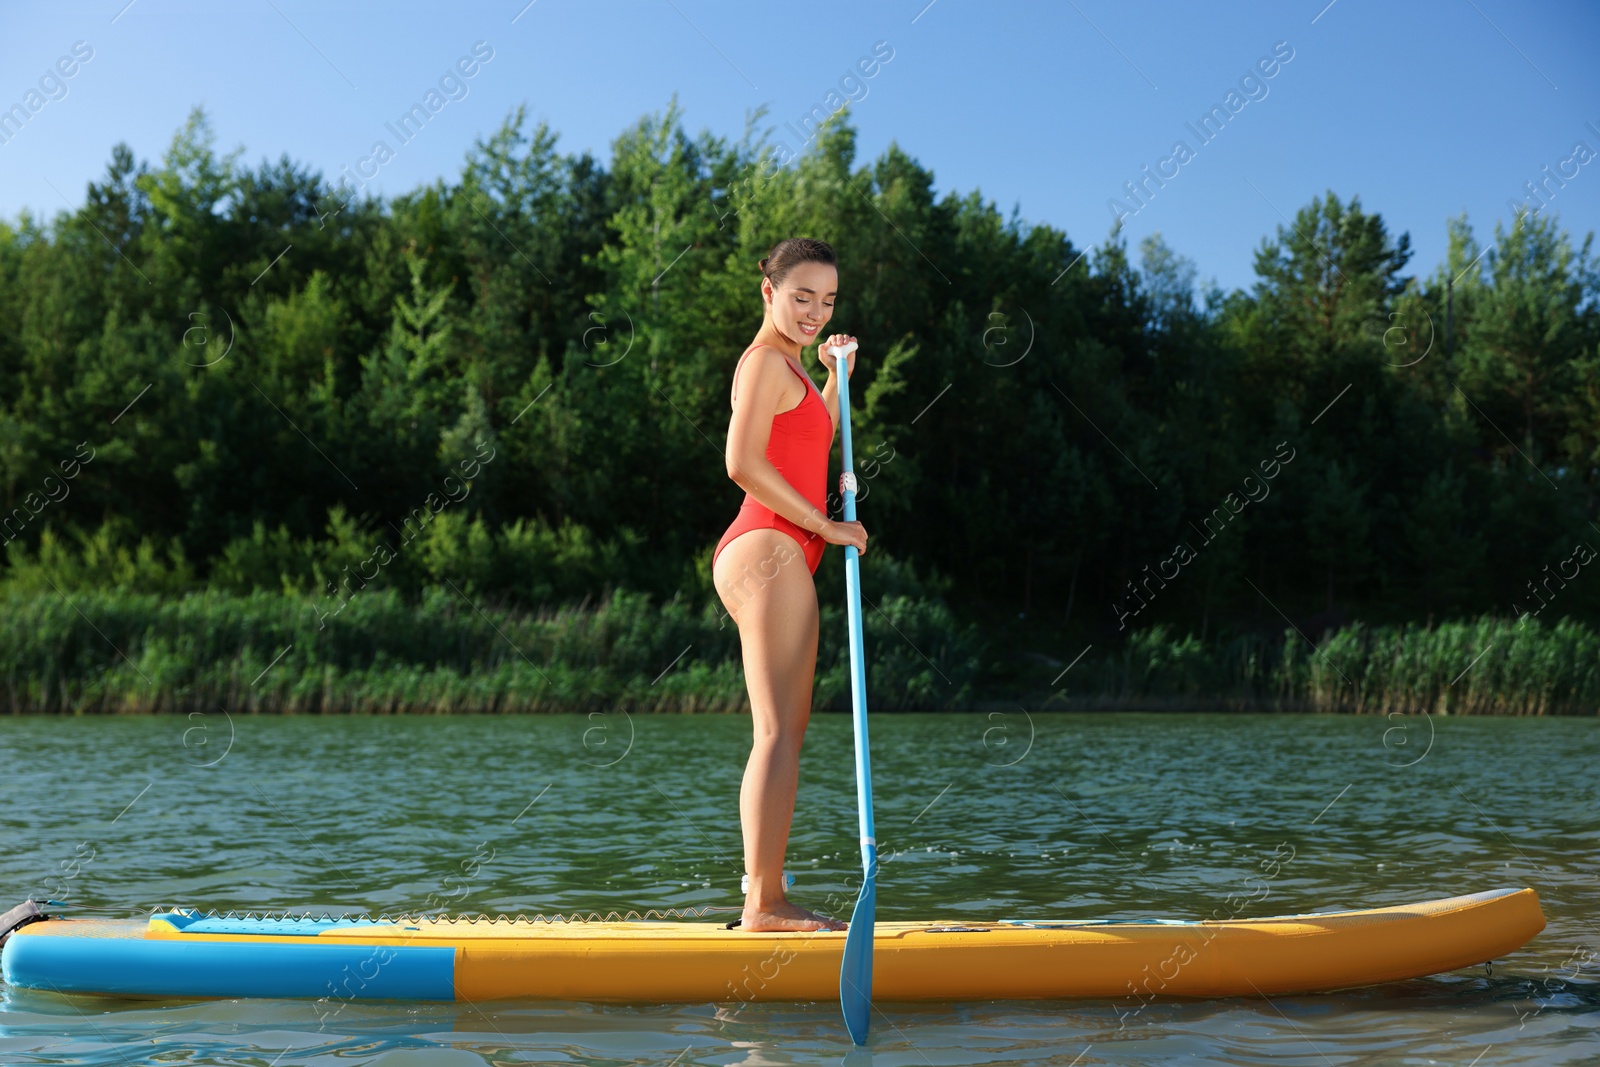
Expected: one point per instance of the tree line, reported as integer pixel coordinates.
(515, 383)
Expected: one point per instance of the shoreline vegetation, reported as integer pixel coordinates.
(271, 443)
(265, 652)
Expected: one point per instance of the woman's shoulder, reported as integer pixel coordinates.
(764, 348)
(764, 363)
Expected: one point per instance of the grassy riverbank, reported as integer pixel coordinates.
(265, 652)
(1484, 666)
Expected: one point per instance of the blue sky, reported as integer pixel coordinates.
(1424, 110)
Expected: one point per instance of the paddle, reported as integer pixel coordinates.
(855, 974)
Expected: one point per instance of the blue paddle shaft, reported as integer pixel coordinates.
(858, 665)
(855, 975)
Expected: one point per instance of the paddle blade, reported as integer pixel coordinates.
(855, 975)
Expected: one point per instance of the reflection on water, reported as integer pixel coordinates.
(978, 817)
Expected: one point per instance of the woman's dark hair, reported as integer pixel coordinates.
(793, 251)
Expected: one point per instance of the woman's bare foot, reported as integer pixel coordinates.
(785, 916)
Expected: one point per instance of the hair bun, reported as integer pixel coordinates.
(792, 251)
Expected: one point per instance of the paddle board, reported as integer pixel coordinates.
(185, 953)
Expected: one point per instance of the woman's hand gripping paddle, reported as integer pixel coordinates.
(855, 976)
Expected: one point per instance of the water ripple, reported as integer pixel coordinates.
(1132, 815)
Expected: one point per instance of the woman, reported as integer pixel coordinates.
(778, 443)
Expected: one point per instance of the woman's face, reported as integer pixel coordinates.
(803, 304)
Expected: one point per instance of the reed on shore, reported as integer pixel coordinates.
(1482, 666)
(121, 652)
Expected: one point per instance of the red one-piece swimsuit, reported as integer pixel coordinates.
(798, 446)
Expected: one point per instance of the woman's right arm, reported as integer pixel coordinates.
(759, 389)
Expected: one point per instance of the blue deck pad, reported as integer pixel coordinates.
(1069, 924)
(231, 969)
(190, 922)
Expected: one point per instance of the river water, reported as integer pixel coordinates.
(979, 816)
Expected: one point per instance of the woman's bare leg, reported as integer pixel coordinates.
(762, 579)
